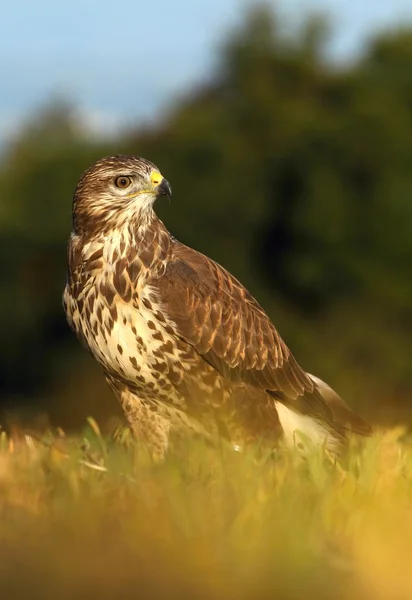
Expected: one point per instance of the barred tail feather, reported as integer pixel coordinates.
(303, 431)
(299, 429)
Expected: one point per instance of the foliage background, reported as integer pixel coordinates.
(292, 172)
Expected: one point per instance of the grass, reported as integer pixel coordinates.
(85, 517)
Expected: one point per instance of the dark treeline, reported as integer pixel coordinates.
(294, 174)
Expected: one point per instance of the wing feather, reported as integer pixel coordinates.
(214, 313)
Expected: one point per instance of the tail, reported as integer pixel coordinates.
(302, 430)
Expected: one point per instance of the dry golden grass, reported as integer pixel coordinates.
(86, 517)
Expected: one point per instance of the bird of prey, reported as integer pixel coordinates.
(182, 343)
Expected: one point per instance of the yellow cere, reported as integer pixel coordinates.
(156, 178)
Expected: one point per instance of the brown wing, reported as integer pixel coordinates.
(342, 414)
(216, 315)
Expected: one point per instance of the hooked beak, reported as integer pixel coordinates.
(163, 189)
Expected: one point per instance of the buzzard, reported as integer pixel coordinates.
(182, 343)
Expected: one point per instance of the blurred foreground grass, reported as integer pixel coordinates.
(86, 517)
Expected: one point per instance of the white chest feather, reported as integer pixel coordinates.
(119, 317)
(129, 341)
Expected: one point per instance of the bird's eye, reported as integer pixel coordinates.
(122, 182)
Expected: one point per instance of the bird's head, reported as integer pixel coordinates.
(117, 190)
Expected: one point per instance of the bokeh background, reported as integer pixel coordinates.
(285, 130)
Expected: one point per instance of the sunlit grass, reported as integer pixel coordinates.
(90, 517)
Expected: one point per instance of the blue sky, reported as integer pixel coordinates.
(122, 61)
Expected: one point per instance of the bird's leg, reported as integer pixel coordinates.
(148, 427)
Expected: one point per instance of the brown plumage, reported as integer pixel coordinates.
(182, 343)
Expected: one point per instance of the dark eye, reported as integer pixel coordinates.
(122, 182)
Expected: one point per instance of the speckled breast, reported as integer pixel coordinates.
(132, 341)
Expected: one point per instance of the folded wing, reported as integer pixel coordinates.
(214, 313)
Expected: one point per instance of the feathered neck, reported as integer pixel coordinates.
(147, 243)
(90, 220)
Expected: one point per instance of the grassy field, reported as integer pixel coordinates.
(87, 517)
